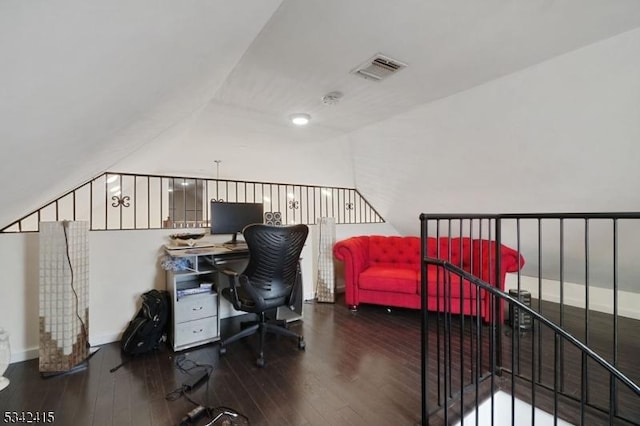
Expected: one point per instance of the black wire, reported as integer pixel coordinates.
(212, 412)
(186, 366)
(191, 365)
(176, 393)
(224, 413)
(66, 243)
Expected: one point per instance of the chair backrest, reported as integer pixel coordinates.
(274, 252)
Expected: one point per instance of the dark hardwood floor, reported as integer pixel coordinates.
(361, 369)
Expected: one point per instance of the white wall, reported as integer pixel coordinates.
(291, 156)
(123, 265)
(560, 136)
(600, 299)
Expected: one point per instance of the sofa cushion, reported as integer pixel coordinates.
(397, 280)
(401, 252)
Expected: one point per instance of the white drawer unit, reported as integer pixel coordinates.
(193, 307)
(195, 302)
(194, 332)
(195, 319)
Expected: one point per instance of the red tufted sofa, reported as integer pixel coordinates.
(385, 270)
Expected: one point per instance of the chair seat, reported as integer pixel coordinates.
(247, 304)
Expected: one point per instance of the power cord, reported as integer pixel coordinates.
(65, 226)
(227, 415)
(196, 372)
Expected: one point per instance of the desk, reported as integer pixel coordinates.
(194, 293)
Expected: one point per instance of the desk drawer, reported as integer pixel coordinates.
(195, 331)
(196, 306)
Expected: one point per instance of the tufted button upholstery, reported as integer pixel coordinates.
(399, 251)
(386, 270)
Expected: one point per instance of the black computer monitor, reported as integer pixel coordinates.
(231, 218)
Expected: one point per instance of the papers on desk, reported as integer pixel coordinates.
(192, 290)
(174, 246)
(191, 251)
(208, 250)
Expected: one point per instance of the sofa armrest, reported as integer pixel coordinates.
(354, 252)
(479, 257)
(511, 260)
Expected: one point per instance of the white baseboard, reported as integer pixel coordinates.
(34, 352)
(104, 339)
(25, 355)
(600, 299)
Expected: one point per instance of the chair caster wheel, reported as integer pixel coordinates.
(222, 351)
(301, 344)
(260, 362)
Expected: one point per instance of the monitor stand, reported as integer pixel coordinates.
(233, 242)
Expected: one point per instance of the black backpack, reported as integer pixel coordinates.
(147, 329)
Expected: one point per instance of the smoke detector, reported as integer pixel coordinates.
(378, 68)
(332, 98)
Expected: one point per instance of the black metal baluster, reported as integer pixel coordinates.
(585, 388)
(424, 325)
(561, 301)
(614, 389)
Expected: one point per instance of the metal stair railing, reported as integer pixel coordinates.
(548, 242)
(478, 357)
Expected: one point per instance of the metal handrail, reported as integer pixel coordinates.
(522, 307)
(152, 202)
(454, 395)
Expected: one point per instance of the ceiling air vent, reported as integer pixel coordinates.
(378, 68)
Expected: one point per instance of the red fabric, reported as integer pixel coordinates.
(395, 252)
(441, 285)
(386, 270)
(394, 279)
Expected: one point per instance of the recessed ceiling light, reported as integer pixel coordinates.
(300, 119)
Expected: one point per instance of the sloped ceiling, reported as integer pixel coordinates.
(88, 85)
(83, 84)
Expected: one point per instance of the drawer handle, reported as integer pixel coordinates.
(197, 309)
(197, 331)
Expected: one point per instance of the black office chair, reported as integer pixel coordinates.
(268, 281)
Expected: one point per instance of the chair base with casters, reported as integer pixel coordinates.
(261, 327)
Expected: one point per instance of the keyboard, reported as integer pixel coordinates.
(236, 247)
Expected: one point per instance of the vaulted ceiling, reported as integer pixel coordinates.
(89, 85)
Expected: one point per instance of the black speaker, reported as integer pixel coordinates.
(523, 320)
(273, 218)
